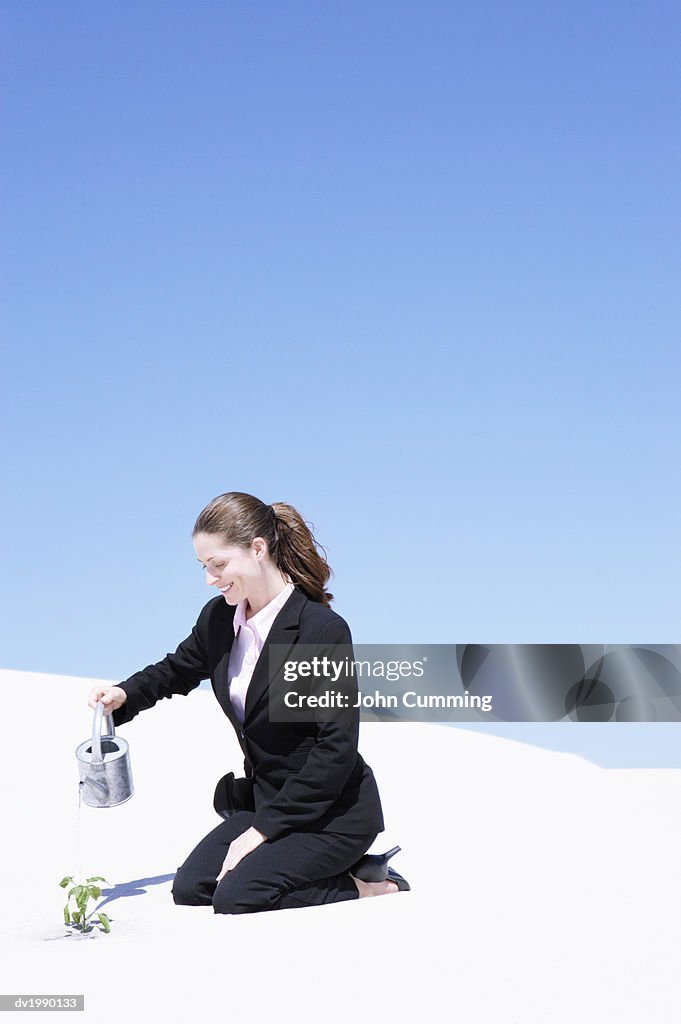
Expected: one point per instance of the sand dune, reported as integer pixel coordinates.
(544, 888)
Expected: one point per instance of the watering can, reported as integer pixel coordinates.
(104, 765)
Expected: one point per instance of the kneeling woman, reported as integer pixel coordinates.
(298, 826)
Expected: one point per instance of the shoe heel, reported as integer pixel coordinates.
(373, 867)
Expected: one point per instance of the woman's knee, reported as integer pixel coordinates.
(240, 896)
(186, 892)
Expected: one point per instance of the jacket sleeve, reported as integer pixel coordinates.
(179, 673)
(308, 794)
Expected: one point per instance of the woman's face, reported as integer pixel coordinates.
(232, 570)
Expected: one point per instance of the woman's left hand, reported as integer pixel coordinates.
(239, 848)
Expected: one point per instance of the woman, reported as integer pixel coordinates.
(298, 826)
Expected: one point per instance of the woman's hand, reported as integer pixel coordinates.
(244, 844)
(112, 697)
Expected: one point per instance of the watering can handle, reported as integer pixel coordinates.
(97, 731)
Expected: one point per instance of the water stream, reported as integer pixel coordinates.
(78, 844)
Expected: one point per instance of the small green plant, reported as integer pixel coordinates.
(82, 894)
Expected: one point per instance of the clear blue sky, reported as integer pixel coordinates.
(412, 267)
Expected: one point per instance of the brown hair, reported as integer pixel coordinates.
(238, 518)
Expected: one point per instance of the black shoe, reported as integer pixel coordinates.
(402, 883)
(373, 867)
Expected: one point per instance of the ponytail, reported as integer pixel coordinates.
(297, 553)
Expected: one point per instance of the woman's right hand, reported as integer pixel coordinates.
(112, 697)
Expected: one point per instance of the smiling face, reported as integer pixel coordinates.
(235, 571)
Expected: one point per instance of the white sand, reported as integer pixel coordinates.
(544, 888)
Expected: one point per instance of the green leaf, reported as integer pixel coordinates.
(67, 915)
(95, 891)
(76, 917)
(82, 899)
(73, 891)
(97, 878)
(105, 921)
(65, 881)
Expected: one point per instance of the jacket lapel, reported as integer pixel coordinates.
(284, 630)
(224, 626)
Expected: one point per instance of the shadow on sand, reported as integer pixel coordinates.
(135, 887)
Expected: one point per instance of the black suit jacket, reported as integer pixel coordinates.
(306, 776)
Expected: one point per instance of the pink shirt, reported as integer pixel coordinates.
(250, 636)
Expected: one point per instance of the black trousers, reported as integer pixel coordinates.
(300, 869)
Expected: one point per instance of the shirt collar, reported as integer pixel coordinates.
(261, 622)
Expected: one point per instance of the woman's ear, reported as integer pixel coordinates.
(259, 546)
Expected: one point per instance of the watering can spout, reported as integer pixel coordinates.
(100, 787)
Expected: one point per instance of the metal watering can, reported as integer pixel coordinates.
(104, 765)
